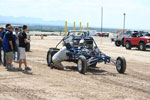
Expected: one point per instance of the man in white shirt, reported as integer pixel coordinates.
(60, 56)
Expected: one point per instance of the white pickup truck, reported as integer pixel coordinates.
(120, 38)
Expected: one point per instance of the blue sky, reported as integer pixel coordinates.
(138, 11)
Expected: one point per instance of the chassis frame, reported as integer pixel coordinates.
(90, 60)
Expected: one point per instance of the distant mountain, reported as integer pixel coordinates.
(29, 20)
(40, 24)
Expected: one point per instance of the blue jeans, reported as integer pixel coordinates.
(4, 58)
(0, 55)
(18, 54)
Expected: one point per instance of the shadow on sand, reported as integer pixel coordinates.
(91, 71)
(136, 49)
(24, 72)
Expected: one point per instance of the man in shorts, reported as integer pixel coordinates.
(8, 47)
(22, 45)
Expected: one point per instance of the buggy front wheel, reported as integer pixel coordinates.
(82, 65)
(121, 65)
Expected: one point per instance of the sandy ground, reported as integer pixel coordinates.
(102, 83)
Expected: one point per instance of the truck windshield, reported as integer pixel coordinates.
(144, 34)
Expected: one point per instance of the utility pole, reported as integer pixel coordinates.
(124, 22)
(101, 19)
(87, 26)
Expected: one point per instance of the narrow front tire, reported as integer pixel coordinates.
(121, 65)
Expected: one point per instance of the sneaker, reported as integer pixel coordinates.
(11, 68)
(17, 61)
(20, 69)
(6, 67)
(27, 68)
(59, 68)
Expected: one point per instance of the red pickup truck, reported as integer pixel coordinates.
(139, 40)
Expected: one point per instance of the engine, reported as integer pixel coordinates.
(87, 46)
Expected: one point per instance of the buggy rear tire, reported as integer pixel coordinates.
(82, 65)
(50, 54)
(121, 65)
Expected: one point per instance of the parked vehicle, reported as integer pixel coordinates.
(139, 40)
(120, 38)
(113, 37)
(103, 34)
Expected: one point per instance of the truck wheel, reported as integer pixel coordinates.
(117, 43)
(128, 45)
(82, 65)
(121, 65)
(50, 54)
(142, 46)
(28, 47)
(122, 42)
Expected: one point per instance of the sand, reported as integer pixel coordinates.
(102, 83)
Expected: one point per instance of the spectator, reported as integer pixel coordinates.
(5, 31)
(1, 32)
(8, 46)
(22, 45)
(17, 45)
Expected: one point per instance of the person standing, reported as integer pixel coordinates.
(17, 45)
(8, 46)
(4, 53)
(1, 32)
(22, 45)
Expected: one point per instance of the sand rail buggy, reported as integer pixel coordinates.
(85, 54)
